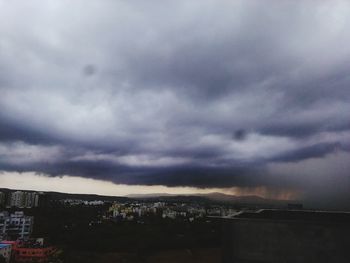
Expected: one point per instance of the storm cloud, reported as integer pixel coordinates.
(175, 93)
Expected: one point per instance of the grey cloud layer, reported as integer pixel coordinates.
(186, 93)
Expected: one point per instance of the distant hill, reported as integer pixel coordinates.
(85, 197)
(244, 198)
(214, 197)
(153, 195)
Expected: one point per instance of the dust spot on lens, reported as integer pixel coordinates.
(89, 70)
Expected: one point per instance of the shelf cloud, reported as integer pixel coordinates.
(209, 94)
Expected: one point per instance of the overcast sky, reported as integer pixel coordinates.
(177, 94)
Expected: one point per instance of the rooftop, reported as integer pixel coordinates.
(4, 245)
(297, 215)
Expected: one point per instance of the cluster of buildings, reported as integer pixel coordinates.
(16, 244)
(131, 210)
(78, 202)
(196, 211)
(20, 199)
(25, 251)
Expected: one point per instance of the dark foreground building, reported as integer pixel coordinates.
(277, 236)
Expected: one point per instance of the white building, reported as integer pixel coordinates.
(15, 226)
(17, 199)
(31, 199)
(2, 199)
(24, 199)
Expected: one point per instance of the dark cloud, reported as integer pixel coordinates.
(240, 135)
(202, 177)
(173, 93)
(313, 151)
(304, 129)
(15, 131)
